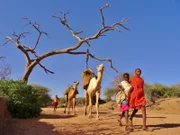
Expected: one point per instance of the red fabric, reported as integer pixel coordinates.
(137, 99)
(55, 104)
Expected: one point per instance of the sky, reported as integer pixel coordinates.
(152, 44)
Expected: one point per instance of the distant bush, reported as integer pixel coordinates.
(151, 91)
(109, 93)
(44, 99)
(162, 91)
(23, 100)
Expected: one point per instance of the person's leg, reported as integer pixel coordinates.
(120, 118)
(126, 117)
(144, 117)
(54, 108)
(132, 116)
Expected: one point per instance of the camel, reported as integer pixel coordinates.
(70, 96)
(92, 90)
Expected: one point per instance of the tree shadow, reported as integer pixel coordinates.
(52, 116)
(159, 126)
(166, 125)
(99, 112)
(33, 127)
(140, 116)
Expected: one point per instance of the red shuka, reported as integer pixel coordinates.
(137, 99)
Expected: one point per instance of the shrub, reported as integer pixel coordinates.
(22, 98)
(44, 98)
(109, 93)
(162, 91)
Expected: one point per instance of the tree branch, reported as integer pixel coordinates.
(45, 69)
(102, 16)
(100, 32)
(19, 46)
(36, 26)
(96, 58)
(1, 57)
(64, 22)
(31, 63)
(105, 28)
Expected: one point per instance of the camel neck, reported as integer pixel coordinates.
(99, 76)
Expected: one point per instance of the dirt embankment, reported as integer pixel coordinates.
(4, 114)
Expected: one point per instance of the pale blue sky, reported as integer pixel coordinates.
(153, 44)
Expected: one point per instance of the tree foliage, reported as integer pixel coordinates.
(44, 98)
(24, 101)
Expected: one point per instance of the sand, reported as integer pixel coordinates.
(163, 118)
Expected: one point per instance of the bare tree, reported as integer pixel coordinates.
(36, 60)
(119, 78)
(5, 69)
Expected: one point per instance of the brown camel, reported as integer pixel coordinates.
(70, 95)
(94, 88)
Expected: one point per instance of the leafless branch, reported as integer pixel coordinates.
(102, 16)
(36, 26)
(20, 35)
(1, 57)
(96, 58)
(19, 46)
(88, 43)
(6, 42)
(45, 69)
(5, 70)
(31, 63)
(105, 28)
(64, 22)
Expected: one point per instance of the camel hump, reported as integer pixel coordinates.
(67, 90)
(87, 74)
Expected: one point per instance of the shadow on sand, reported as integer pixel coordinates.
(140, 116)
(53, 116)
(34, 127)
(166, 125)
(159, 126)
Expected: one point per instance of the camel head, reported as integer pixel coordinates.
(76, 83)
(100, 68)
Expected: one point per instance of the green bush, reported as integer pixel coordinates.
(22, 98)
(44, 98)
(162, 91)
(109, 93)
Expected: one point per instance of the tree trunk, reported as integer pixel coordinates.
(28, 70)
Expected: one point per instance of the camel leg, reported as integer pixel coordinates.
(74, 103)
(90, 105)
(86, 102)
(97, 104)
(69, 102)
(66, 103)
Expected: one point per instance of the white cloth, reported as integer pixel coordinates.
(126, 86)
(121, 95)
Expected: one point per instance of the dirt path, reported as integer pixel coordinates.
(57, 123)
